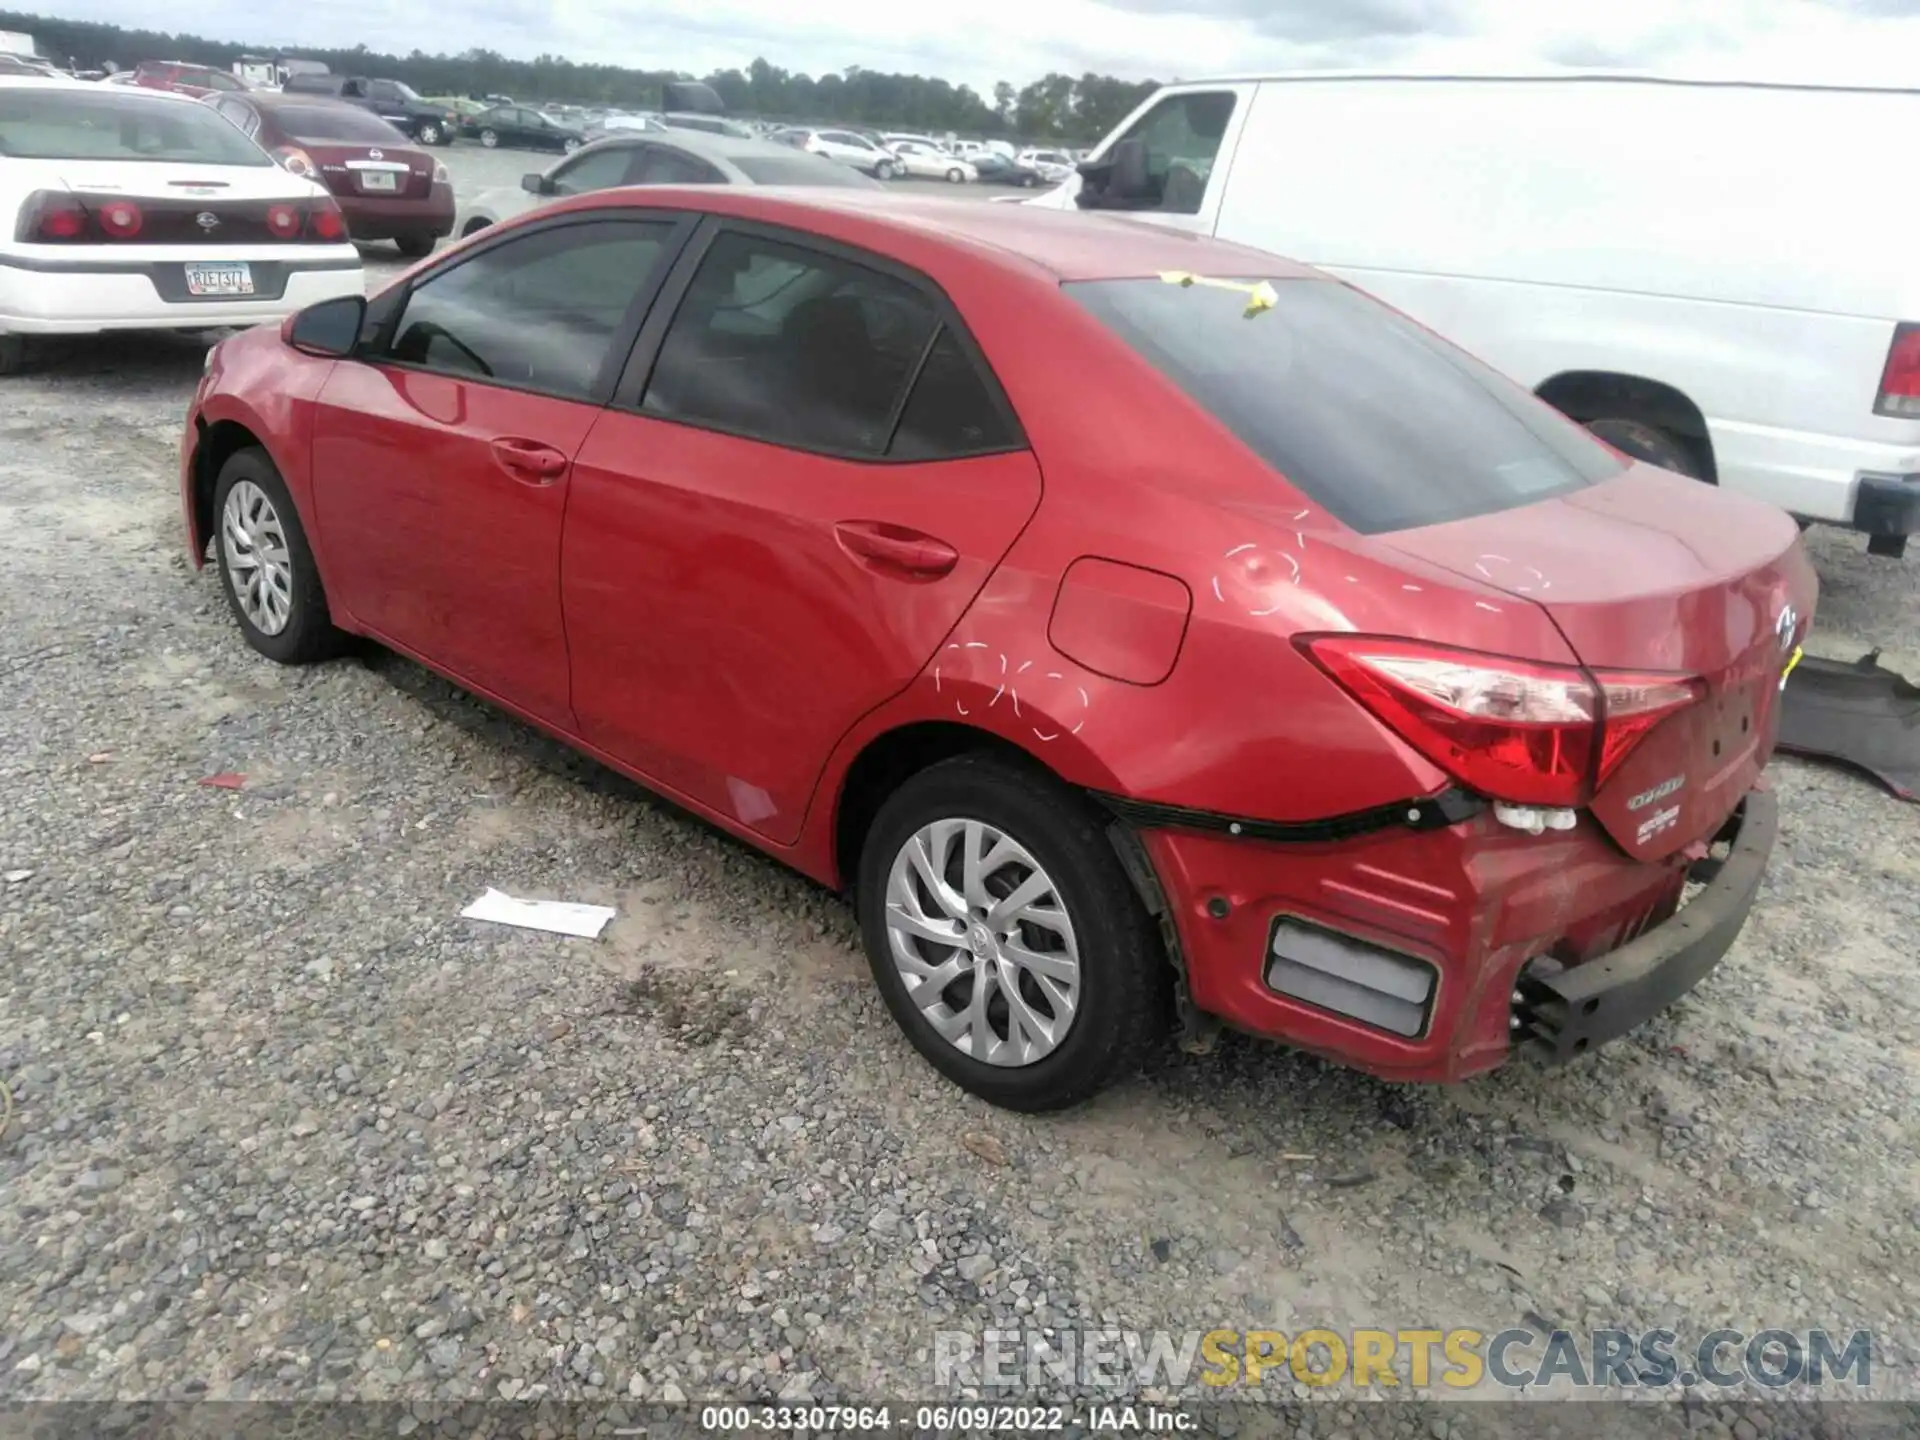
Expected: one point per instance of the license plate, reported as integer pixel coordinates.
(232, 278)
(378, 180)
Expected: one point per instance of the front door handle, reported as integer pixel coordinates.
(897, 549)
(528, 461)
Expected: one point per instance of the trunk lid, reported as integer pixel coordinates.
(380, 172)
(1650, 572)
(162, 180)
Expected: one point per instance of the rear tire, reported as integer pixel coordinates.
(430, 134)
(414, 247)
(1651, 444)
(883, 171)
(1029, 182)
(567, 147)
(1118, 981)
(262, 533)
(956, 176)
(490, 139)
(15, 354)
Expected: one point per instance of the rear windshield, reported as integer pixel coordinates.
(114, 125)
(335, 122)
(800, 170)
(1385, 426)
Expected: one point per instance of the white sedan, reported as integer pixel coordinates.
(130, 209)
(916, 157)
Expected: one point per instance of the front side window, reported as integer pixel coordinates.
(1384, 424)
(793, 346)
(539, 312)
(1183, 134)
(102, 124)
(600, 170)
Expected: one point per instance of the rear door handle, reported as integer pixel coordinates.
(897, 549)
(528, 461)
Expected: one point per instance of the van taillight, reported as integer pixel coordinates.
(1900, 379)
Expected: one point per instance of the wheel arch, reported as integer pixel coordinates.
(1586, 395)
(215, 444)
(887, 758)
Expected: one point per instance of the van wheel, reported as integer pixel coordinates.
(1651, 444)
(1006, 938)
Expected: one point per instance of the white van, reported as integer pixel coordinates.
(1716, 277)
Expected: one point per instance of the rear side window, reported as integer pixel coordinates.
(1386, 426)
(801, 170)
(793, 346)
(538, 312)
(951, 411)
(50, 124)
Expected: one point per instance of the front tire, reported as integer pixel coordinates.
(1651, 444)
(1029, 182)
(567, 147)
(883, 171)
(490, 139)
(1005, 937)
(266, 566)
(956, 176)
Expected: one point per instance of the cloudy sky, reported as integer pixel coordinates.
(980, 41)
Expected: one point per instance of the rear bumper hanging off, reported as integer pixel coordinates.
(1564, 1013)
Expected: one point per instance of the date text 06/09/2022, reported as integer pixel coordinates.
(1009, 1419)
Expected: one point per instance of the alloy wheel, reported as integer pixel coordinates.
(489, 139)
(253, 545)
(983, 942)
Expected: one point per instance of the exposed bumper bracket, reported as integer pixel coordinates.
(1564, 1013)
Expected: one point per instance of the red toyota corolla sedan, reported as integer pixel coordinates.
(1146, 630)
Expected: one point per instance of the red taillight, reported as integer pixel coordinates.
(1513, 730)
(119, 219)
(325, 222)
(1900, 377)
(51, 217)
(284, 221)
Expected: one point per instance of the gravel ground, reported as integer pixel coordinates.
(287, 1126)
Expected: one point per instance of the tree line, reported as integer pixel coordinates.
(1055, 107)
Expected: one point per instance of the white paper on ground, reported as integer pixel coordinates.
(562, 917)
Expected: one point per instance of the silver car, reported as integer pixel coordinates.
(670, 157)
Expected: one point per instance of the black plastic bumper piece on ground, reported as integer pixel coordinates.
(1568, 1012)
(1857, 714)
(1887, 508)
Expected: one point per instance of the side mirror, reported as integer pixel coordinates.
(328, 328)
(536, 184)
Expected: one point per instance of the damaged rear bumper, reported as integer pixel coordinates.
(1559, 1014)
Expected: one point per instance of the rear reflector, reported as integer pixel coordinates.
(1349, 977)
(1900, 377)
(1514, 730)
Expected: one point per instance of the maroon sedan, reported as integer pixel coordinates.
(386, 188)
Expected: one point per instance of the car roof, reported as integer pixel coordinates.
(711, 145)
(132, 94)
(1068, 244)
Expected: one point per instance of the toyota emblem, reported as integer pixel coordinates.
(376, 155)
(207, 220)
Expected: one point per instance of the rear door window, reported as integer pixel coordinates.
(1382, 423)
(660, 166)
(791, 345)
